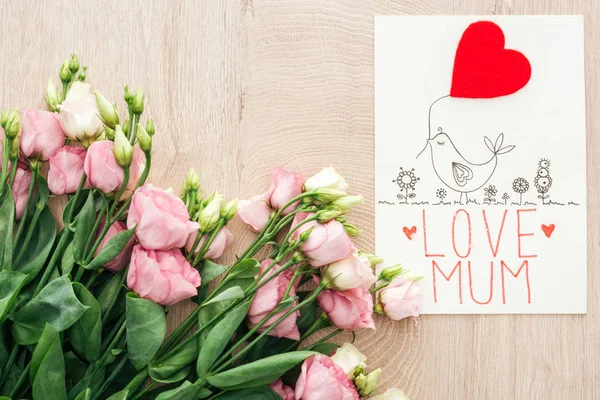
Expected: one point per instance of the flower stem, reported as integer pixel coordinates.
(206, 245)
(9, 363)
(326, 338)
(246, 349)
(111, 377)
(32, 224)
(5, 154)
(378, 287)
(24, 375)
(75, 198)
(65, 237)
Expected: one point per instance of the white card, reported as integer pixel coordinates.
(480, 160)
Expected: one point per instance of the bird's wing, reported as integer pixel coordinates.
(462, 173)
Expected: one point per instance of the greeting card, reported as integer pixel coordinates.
(480, 160)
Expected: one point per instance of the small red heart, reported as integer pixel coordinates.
(410, 232)
(483, 68)
(548, 229)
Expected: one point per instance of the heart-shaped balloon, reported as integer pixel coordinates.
(483, 68)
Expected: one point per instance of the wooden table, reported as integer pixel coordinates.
(237, 87)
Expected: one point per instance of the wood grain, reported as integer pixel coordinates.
(238, 87)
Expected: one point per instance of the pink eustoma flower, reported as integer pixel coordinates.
(268, 297)
(41, 134)
(401, 299)
(161, 218)
(322, 379)
(284, 391)
(255, 212)
(326, 244)
(285, 185)
(164, 277)
(351, 309)
(66, 170)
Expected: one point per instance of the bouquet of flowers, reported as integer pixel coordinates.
(84, 290)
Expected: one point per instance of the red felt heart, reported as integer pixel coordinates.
(548, 229)
(483, 68)
(410, 232)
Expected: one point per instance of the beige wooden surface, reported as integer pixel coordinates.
(237, 87)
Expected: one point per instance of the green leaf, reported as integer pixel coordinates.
(258, 373)
(110, 292)
(85, 334)
(219, 336)
(39, 247)
(247, 268)
(47, 372)
(269, 346)
(11, 283)
(176, 367)
(71, 203)
(231, 293)
(85, 395)
(92, 381)
(68, 261)
(114, 247)
(7, 224)
(56, 304)
(83, 229)
(74, 369)
(308, 313)
(146, 327)
(324, 348)
(210, 271)
(122, 395)
(187, 391)
(255, 393)
(43, 191)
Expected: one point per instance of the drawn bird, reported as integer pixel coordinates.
(455, 171)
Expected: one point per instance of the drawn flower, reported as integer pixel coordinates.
(490, 191)
(520, 185)
(542, 180)
(542, 183)
(441, 193)
(407, 179)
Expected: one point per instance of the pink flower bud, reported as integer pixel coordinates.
(350, 272)
(218, 246)
(20, 190)
(255, 212)
(285, 185)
